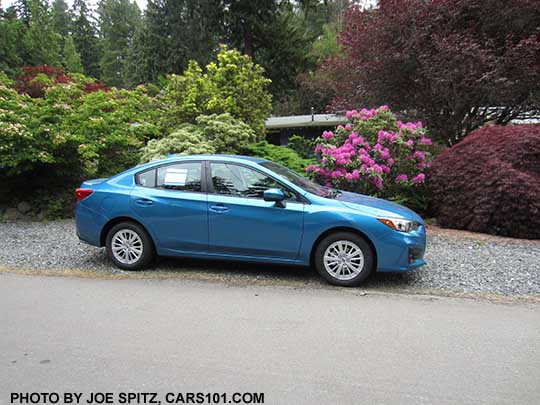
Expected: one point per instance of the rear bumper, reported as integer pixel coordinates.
(399, 251)
(89, 224)
(81, 239)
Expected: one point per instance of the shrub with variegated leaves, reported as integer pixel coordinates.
(376, 154)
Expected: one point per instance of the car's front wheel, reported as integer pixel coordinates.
(344, 258)
(129, 246)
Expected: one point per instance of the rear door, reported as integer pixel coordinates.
(242, 223)
(171, 201)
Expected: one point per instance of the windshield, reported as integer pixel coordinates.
(300, 181)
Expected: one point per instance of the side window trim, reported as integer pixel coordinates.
(208, 178)
(204, 185)
(210, 184)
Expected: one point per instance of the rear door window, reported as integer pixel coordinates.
(147, 178)
(179, 177)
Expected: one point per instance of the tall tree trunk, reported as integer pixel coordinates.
(248, 42)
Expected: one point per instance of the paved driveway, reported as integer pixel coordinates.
(294, 345)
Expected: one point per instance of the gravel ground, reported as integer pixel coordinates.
(458, 262)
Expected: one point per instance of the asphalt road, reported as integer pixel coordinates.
(313, 346)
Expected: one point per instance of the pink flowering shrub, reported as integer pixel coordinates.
(375, 154)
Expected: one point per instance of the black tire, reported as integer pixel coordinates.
(360, 242)
(148, 251)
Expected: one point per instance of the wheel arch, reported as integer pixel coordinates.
(114, 221)
(343, 229)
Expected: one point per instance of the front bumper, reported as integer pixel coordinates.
(400, 251)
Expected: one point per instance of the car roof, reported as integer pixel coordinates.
(237, 158)
(171, 159)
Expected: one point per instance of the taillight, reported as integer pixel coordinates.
(82, 193)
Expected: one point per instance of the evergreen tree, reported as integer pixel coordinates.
(117, 22)
(11, 36)
(149, 54)
(246, 20)
(61, 19)
(71, 59)
(85, 38)
(172, 33)
(61, 22)
(278, 36)
(22, 10)
(196, 27)
(41, 44)
(139, 64)
(282, 48)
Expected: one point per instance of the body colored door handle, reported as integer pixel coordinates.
(219, 208)
(144, 202)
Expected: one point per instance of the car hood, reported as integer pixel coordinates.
(377, 206)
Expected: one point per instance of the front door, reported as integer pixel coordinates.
(242, 223)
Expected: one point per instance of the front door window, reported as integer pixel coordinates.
(241, 181)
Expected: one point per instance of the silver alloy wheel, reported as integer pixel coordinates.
(343, 260)
(127, 246)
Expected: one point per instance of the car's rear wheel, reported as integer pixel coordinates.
(344, 258)
(129, 246)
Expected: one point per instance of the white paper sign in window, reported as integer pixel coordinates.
(175, 177)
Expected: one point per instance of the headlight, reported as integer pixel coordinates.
(401, 225)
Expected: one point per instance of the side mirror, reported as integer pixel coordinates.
(274, 194)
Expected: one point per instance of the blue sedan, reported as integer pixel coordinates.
(245, 208)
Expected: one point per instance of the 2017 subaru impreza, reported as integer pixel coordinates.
(245, 208)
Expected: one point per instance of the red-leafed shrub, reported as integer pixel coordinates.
(95, 86)
(34, 80)
(442, 61)
(490, 182)
(30, 72)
